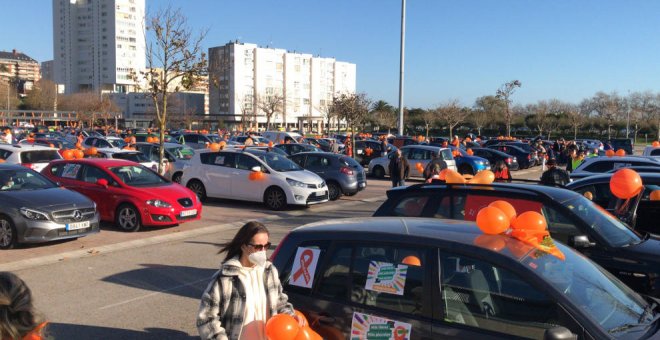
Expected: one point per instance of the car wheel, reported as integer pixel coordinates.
(465, 169)
(275, 199)
(378, 172)
(128, 218)
(7, 233)
(198, 188)
(350, 193)
(176, 178)
(334, 191)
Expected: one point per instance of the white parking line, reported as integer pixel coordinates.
(154, 293)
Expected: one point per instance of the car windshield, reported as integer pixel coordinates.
(214, 138)
(609, 302)
(117, 143)
(615, 233)
(23, 179)
(278, 162)
(137, 176)
(137, 157)
(182, 152)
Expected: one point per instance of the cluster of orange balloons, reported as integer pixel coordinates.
(453, 177)
(285, 327)
(91, 151)
(611, 153)
(419, 167)
(73, 154)
(626, 183)
(368, 151)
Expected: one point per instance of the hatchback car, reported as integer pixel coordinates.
(33, 209)
(408, 278)
(494, 156)
(423, 154)
(133, 156)
(571, 218)
(525, 159)
(467, 164)
(32, 156)
(294, 148)
(599, 165)
(177, 155)
(645, 212)
(229, 174)
(110, 143)
(127, 193)
(342, 174)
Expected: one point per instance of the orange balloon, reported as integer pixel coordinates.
(78, 154)
(609, 153)
(306, 333)
(300, 315)
(492, 242)
(530, 221)
(68, 154)
(282, 327)
(78, 146)
(588, 195)
(419, 167)
(214, 147)
(655, 195)
(453, 177)
(270, 144)
(2, 160)
(483, 177)
(470, 152)
(656, 144)
(442, 175)
(412, 260)
(621, 152)
(92, 151)
(492, 221)
(222, 145)
(150, 140)
(127, 139)
(625, 183)
(506, 208)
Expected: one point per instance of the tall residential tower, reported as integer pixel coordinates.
(97, 43)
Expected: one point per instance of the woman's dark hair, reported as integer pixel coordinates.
(17, 315)
(242, 237)
(500, 165)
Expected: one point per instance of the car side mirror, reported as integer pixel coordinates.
(580, 241)
(256, 169)
(102, 182)
(558, 333)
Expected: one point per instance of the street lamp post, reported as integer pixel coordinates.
(401, 64)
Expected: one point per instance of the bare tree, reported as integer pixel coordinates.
(487, 109)
(428, 118)
(271, 105)
(173, 48)
(326, 113)
(42, 96)
(353, 109)
(504, 93)
(608, 107)
(452, 114)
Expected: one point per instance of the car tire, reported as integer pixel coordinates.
(350, 193)
(275, 198)
(378, 172)
(465, 169)
(198, 188)
(8, 234)
(127, 218)
(176, 178)
(334, 191)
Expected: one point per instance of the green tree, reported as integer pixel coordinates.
(353, 109)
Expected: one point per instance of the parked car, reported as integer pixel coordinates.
(467, 164)
(590, 144)
(626, 144)
(599, 165)
(572, 219)
(33, 209)
(342, 174)
(280, 182)
(378, 167)
(195, 140)
(524, 158)
(438, 279)
(278, 137)
(340, 145)
(108, 143)
(645, 215)
(58, 143)
(178, 157)
(127, 193)
(319, 143)
(142, 137)
(133, 156)
(360, 152)
(653, 151)
(255, 139)
(294, 148)
(32, 156)
(493, 156)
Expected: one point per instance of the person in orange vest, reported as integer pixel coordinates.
(502, 173)
(20, 319)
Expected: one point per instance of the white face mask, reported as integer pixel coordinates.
(258, 258)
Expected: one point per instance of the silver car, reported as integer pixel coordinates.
(178, 157)
(33, 209)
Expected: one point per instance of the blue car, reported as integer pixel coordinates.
(467, 164)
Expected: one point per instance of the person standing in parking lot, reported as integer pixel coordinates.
(399, 169)
(435, 161)
(245, 292)
(502, 173)
(554, 175)
(334, 146)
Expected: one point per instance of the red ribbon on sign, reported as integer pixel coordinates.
(305, 260)
(400, 333)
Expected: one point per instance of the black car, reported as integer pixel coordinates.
(524, 158)
(342, 174)
(411, 278)
(642, 217)
(360, 152)
(294, 148)
(319, 143)
(494, 156)
(622, 143)
(571, 218)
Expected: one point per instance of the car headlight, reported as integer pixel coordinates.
(294, 183)
(34, 214)
(159, 203)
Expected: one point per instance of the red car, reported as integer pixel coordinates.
(127, 193)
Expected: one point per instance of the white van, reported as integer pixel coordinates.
(280, 137)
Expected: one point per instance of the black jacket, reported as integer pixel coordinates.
(555, 176)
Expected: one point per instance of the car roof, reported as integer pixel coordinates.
(320, 153)
(647, 159)
(24, 147)
(425, 147)
(10, 166)
(601, 178)
(101, 162)
(463, 233)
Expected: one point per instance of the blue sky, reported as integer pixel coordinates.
(455, 49)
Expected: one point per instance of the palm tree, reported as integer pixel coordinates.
(383, 114)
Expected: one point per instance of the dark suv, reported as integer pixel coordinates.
(572, 219)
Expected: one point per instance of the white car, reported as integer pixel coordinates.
(109, 143)
(33, 156)
(133, 156)
(229, 174)
(379, 167)
(652, 151)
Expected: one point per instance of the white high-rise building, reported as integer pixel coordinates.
(97, 43)
(240, 74)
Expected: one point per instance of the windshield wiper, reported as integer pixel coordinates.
(628, 326)
(647, 310)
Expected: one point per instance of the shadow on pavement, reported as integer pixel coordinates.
(177, 280)
(69, 331)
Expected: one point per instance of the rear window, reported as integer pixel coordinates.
(39, 156)
(446, 155)
(4, 154)
(655, 152)
(349, 162)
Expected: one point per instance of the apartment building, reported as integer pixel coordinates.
(97, 43)
(243, 75)
(21, 69)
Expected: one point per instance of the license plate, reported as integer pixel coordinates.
(321, 193)
(77, 225)
(189, 213)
